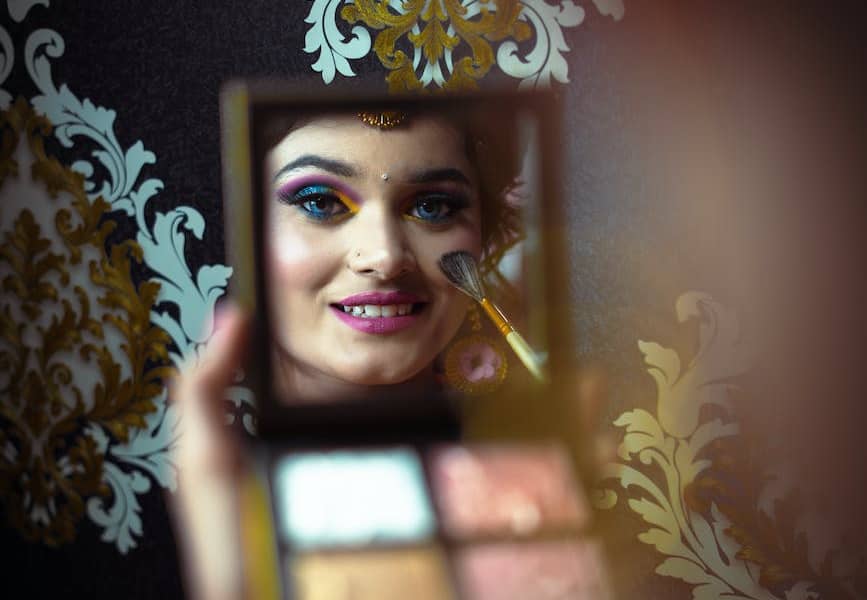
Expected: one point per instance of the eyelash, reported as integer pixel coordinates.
(340, 206)
(304, 199)
(450, 205)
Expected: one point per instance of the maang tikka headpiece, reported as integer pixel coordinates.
(386, 119)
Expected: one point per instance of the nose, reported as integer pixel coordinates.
(381, 250)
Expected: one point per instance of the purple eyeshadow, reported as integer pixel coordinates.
(293, 185)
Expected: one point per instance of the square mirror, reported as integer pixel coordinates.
(350, 220)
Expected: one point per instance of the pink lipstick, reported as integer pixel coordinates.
(379, 312)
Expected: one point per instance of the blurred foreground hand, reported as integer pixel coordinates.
(212, 470)
(211, 466)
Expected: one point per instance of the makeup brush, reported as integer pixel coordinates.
(460, 268)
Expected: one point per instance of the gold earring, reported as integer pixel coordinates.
(476, 364)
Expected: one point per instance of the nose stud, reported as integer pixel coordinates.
(384, 176)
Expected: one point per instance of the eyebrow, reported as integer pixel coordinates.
(445, 174)
(330, 165)
(343, 169)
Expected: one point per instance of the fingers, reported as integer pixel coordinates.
(217, 366)
(210, 465)
(206, 443)
(225, 349)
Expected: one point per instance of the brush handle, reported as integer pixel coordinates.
(518, 343)
(526, 354)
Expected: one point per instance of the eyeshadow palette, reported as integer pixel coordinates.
(450, 522)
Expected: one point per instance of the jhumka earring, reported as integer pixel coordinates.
(387, 119)
(475, 364)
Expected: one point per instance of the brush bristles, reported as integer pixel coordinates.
(460, 268)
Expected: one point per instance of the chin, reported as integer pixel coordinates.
(382, 374)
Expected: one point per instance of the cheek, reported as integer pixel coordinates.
(430, 248)
(453, 303)
(297, 262)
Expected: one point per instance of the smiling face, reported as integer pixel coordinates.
(357, 222)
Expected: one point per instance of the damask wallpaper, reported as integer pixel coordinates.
(714, 153)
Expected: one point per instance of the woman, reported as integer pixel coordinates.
(363, 206)
(359, 218)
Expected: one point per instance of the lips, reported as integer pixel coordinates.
(379, 312)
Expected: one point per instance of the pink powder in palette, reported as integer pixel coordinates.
(505, 491)
(552, 570)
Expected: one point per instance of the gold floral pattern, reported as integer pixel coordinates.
(436, 27)
(695, 479)
(768, 533)
(70, 309)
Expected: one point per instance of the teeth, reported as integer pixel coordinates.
(372, 311)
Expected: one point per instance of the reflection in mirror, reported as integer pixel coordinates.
(359, 208)
(384, 392)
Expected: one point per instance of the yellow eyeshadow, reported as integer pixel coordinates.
(349, 202)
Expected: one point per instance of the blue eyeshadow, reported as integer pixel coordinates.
(350, 498)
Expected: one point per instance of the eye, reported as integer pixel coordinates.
(436, 208)
(319, 202)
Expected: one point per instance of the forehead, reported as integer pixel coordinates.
(427, 141)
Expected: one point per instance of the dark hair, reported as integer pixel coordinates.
(492, 147)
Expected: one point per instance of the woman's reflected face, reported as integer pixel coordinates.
(358, 220)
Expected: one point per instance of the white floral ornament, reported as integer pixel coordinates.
(130, 468)
(7, 59)
(18, 9)
(535, 69)
(335, 50)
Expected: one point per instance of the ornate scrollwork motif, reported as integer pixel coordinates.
(184, 305)
(689, 478)
(18, 9)
(7, 59)
(448, 43)
(79, 357)
(770, 523)
(434, 29)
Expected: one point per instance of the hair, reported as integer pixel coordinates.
(492, 147)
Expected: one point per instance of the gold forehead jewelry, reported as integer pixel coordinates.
(387, 119)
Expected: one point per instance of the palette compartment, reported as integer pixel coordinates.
(436, 522)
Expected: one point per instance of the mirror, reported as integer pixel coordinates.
(352, 204)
